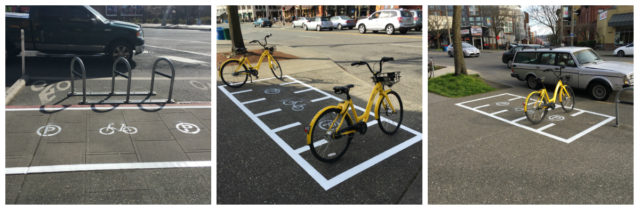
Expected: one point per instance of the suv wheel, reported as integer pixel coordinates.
(339, 26)
(362, 29)
(531, 82)
(599, 91)
(620, 53)
(121, 49)
(389, 29)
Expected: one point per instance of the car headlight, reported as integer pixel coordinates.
(628, 79)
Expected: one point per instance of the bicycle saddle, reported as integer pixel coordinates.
(342, 89)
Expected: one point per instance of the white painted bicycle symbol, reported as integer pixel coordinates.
(49, 130)
(296, 104)
(109, 129)
(187, 128)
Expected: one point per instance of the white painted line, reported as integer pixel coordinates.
(243, 91)
(191, 52)
(545, 127)
(301, 91)
(287, 83)
(515, 98)
(372, 122)
(253, 101)
(286, 127)
(264, 79)
(540, 130)
(319, 178)
(194, 41)
(319, 99)
(268, 112)
(578, 113)
(482, 106)
(184, 60)
(497, 112)
(518, 119)
(106, 166)
(306, 147)
(117, 79)
(106, 108)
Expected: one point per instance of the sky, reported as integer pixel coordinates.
(537, 28)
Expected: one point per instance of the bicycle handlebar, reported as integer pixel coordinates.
(265, 40)
(382, 60)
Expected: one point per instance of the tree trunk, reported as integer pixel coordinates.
(460, 67)
(234, 29)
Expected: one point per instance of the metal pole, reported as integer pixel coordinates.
(22, 49)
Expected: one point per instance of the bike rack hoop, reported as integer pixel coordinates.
(172, 76)
(72, 78)
(618, 102)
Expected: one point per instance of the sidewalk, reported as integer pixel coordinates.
(451, 69)
(176, 26)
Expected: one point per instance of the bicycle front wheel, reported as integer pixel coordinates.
(275, 67)
(568, 99)
(234, 74)
(391, 109)
(536, 107)
(326, 145)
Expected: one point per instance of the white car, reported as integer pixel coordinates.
(467, 50)
(624, 50)
(299, 22)
(318, 23)
(388, 20)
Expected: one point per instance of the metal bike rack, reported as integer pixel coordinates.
(618, 101)
(84, 78)
(153, 78)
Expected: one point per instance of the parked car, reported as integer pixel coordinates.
(318, 23)
(582, 66)
(467, 50)
(624, 50)
(262, 22)
(72, 29)
(507, 56)
(299, 22)
(340, 22)
(417, 19)
(388, 20)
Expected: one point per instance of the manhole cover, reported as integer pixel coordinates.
(555, 118)
(272, 91)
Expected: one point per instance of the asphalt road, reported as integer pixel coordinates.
(481, 151)
(189, 50)
(260, 160)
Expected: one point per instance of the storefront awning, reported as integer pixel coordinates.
(619, 20)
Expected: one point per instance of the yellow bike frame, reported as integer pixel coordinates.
(378, 90)
(544, 94)
(244, 60)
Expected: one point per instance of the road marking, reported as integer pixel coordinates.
(268, 112)
(184, 60)
(109, 79)
(372, 122)
(243, 91)
(497, 112)
(106, 166)
(188, 128)
(301, 91)
(97, 107)
(325, 183)
(515, 98)
(482, 106)
(307, 148)
(286, 127)
(191, 52)
(539, 130)
(195, 41)
(410, 46)
(253, 101)
(578, 113)
(545, 127)
(319, 99)
(287, 83)
(49, 130)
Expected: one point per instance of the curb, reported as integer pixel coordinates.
(14, 89)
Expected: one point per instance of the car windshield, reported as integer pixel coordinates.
(587, 56)
(324, 19)
(97, 14)
(467, 45)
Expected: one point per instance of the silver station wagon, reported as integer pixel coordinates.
(581, 67)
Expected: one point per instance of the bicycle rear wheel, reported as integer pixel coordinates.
(536, 109)
(275, 67)
(325, 145)
(568, 99)
(391, 109)
(234, 74)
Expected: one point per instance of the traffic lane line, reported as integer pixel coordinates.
(105, 166)
(184, 51)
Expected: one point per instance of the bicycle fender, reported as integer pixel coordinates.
(315, 118)
(382, 95)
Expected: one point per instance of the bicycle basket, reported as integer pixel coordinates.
(388, 78)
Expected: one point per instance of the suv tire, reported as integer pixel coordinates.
(599, 91)
(120, 48)
(532, 83)
(362, 29)
(389, 29)
(620, 53)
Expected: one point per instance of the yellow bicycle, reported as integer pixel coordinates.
(332, 128)
(538, 102)
(235, 72)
